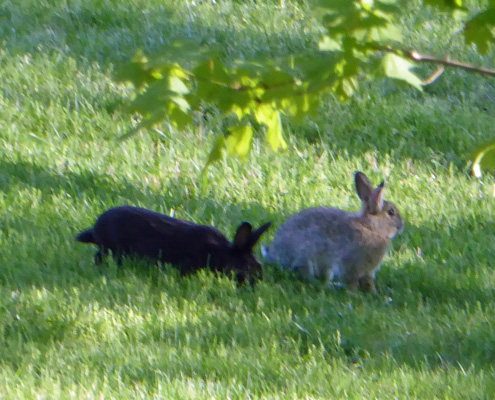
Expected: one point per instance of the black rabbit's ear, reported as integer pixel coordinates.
(364, 187)
(255, 236)
(243, 235)
(245, 238)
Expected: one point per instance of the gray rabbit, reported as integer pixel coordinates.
(327, 242)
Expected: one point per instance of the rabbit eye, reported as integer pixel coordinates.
(391, 212)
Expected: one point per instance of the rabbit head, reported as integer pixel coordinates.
(383, 216)
(239, 257)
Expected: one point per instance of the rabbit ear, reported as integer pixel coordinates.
(376, 200)
(255, 236)
(243, 234)
(245, 238)
(364, 187)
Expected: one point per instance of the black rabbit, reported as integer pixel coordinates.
(133, 231)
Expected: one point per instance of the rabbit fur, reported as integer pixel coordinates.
(328, 242)
(133, 231)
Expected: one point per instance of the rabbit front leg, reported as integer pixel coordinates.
(353, 281)
(367, 283)
(118, 258)
(103, 251)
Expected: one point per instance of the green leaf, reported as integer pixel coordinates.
(298, 107)
(181, 103)
(239, 140)
(366, 21)
(480, 30)
(329, 44)
(386, 33)
(277, 85)
(154, 98)
(266, 114)
(279, 93)
(176, 85)
(134, 72)
(397, 67)
(214, 71)
(179, 118)
(445, 4)
(276, 77)
(229, 100)
(216, 153)
(148, 123)
(339, 6)
(345, 88)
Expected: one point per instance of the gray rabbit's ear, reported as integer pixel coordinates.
(376, 200)
(364, 187)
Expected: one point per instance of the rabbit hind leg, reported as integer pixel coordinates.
(102, 251)
(304, 267)
(353, 285)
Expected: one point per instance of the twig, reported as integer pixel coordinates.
(418, 57)
(414, 55)
(434, 76)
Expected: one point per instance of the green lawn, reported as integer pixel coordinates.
(71, 330)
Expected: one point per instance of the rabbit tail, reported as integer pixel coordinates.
(86, 236)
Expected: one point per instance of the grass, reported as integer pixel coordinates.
(71, 330)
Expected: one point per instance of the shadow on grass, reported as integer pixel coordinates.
(48, 181)
(59, 224)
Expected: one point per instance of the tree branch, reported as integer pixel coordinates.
(418, 57)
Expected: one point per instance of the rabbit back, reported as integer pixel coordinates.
(326, 243)
(316, 241)
(131, 230)
(144, 233)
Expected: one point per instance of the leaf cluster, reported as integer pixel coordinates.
(361, 38)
